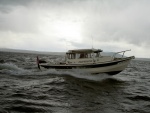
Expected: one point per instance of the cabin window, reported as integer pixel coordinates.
(89, 55)
(71, 56)
(83, 55)
(97, 54)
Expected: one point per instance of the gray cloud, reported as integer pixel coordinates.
(130, 23)
(14, 16)
(15, 2)
(106, 21)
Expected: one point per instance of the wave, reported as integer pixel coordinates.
(83, 75)
(10, 66)
(138, 97)
(12, 69)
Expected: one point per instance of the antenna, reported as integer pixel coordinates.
(92, 42)
(66, 44)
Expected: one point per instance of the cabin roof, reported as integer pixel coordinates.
(85, 51)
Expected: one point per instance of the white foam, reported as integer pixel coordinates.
(94, 77)
(12, 69)
(77, 74)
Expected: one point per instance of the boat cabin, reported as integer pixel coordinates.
(85, 56)
(83, 53)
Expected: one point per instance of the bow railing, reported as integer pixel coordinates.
(123, 52)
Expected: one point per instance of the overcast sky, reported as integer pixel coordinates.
(59, 25)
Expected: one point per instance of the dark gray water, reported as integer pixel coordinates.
(24, 88)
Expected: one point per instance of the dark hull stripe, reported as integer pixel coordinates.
(113, 72)
(85, 66)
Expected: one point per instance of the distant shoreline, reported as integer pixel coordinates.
(143, 59)
(31, 52)
(48, 53)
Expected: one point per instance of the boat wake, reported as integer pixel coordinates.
(83, 75)
(12, 69)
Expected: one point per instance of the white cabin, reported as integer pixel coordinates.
(86, 56)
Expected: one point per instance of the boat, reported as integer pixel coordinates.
(90, 61)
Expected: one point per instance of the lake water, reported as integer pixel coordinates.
(24, 88)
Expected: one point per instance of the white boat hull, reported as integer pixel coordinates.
(109, 69)
(112, 67)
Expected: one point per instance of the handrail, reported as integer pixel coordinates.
(120, 52)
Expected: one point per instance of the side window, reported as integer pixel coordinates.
(77, 56)
(68, 56)
(71, 56)
(89, 55)
(97, 54)
(82, 55)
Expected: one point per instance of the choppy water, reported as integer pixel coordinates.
(24, 88)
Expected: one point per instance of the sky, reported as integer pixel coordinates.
(59, 25)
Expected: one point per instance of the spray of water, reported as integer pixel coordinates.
(12, 69)
(83, 75)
